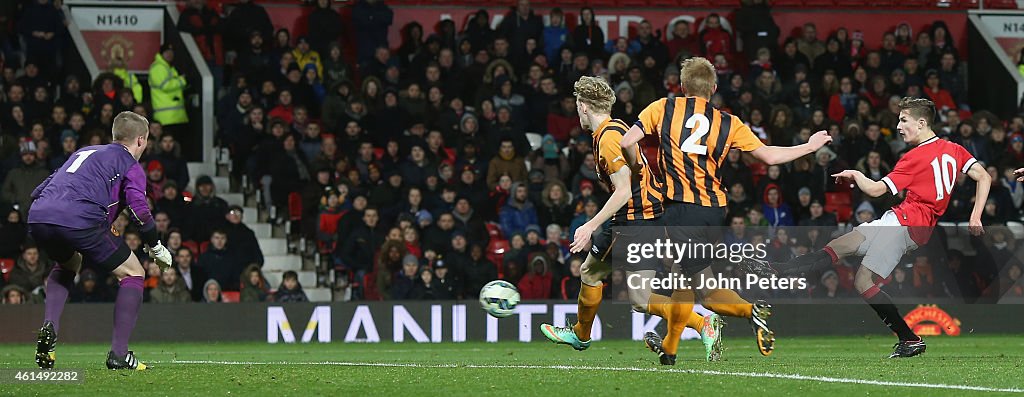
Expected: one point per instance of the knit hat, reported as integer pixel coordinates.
(68, 133)
(154, 165)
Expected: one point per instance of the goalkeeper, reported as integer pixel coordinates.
(70, 218)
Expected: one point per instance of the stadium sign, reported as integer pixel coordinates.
(128, 35)
(458, 321)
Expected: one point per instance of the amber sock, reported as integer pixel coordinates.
(676, 314)
(727, 303)
(588, 302)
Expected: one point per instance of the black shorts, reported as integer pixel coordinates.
(608, 245)
(98, 245)
(694, 223)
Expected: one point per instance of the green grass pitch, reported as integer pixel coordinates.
(986, 365)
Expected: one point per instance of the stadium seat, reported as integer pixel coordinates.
(6, 266)
(203, 246)
(294, 206)
(370, 287)
(378, 153)
(950, 228)
(839, 203)
(230, 296)
(192, 246)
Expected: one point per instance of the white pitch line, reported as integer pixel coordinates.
(826, 379)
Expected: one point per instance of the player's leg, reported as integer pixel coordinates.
(883, 254)
(709, 326)
(126, 311)
(592, 272)
(843, 246)
(53, 241)
(675, 312)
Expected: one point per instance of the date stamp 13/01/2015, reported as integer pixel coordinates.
(30, 376)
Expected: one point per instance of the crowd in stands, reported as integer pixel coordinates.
(417, 177)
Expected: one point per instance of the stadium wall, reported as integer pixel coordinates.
(434, 322)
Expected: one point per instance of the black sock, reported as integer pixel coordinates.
(808, 263)
(890, 315)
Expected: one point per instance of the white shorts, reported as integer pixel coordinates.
(885, 242)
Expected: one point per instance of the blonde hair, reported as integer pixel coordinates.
(697, 77)
(919, 108)
(129, 125)
(595, 93)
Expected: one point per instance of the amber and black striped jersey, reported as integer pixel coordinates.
(645, 200)
(694, 139)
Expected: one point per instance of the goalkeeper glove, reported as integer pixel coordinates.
(161, 255)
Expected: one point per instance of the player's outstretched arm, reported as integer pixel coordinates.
(978, 173)
(865, 184)
(772, 155)
(619, 198)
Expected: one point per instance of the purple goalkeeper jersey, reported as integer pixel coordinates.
(92, 188)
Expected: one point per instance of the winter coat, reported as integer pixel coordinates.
(371, 26)
(779, 214)
(167, 92)
(19, 184)
(176, 293)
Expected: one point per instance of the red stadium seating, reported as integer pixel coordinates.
(370, 287)
(203, 246)
(230, 296)
(496, 251)
(6, 266)
(840, 204)
(192, 246)
(294, 206)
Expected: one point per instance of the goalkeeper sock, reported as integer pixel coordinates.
(881, 302)
(727, 303)
(126, 311)
(58, 285)
(675, 314)
(587, 303)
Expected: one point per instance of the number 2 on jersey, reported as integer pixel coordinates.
(944, 175)
(692, 143)
(78, 161)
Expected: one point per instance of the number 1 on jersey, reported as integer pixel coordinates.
(78, 161)
(944, 176)
(692, 143)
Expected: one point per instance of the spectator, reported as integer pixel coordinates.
(479, 272)
(356, 251)
(427, 286)
(681, 42)
(449, 284)
(305, 56)
(325, 26)
(212, 291)
(714, 39)
(13, 233)
(254, 285)
(254, 62)
(650, 45)
(809, 45)
(171, 289)
(776, 211)
(518, 212)
(193, 277)
(570, 284)
(42, 28)
(555, 208)
(537, 283)
(23, 180)
(30, 271)
(290, 290)
(755, 26)
(14, 295)
(371, 19)
(218, 262)
(89, 289)
(167, 87)
(555, 33)
(155, 180)
(243, 19)
(207, 210)
(828, 288)
(938, 94)
(519, 25)
(507, 163)
(244, 246)
(205, 26)
(405, 279)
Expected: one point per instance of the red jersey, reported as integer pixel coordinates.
(928, 173)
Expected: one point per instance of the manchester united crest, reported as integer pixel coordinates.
(117, 50)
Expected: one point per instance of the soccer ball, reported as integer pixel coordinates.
(499, 298)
